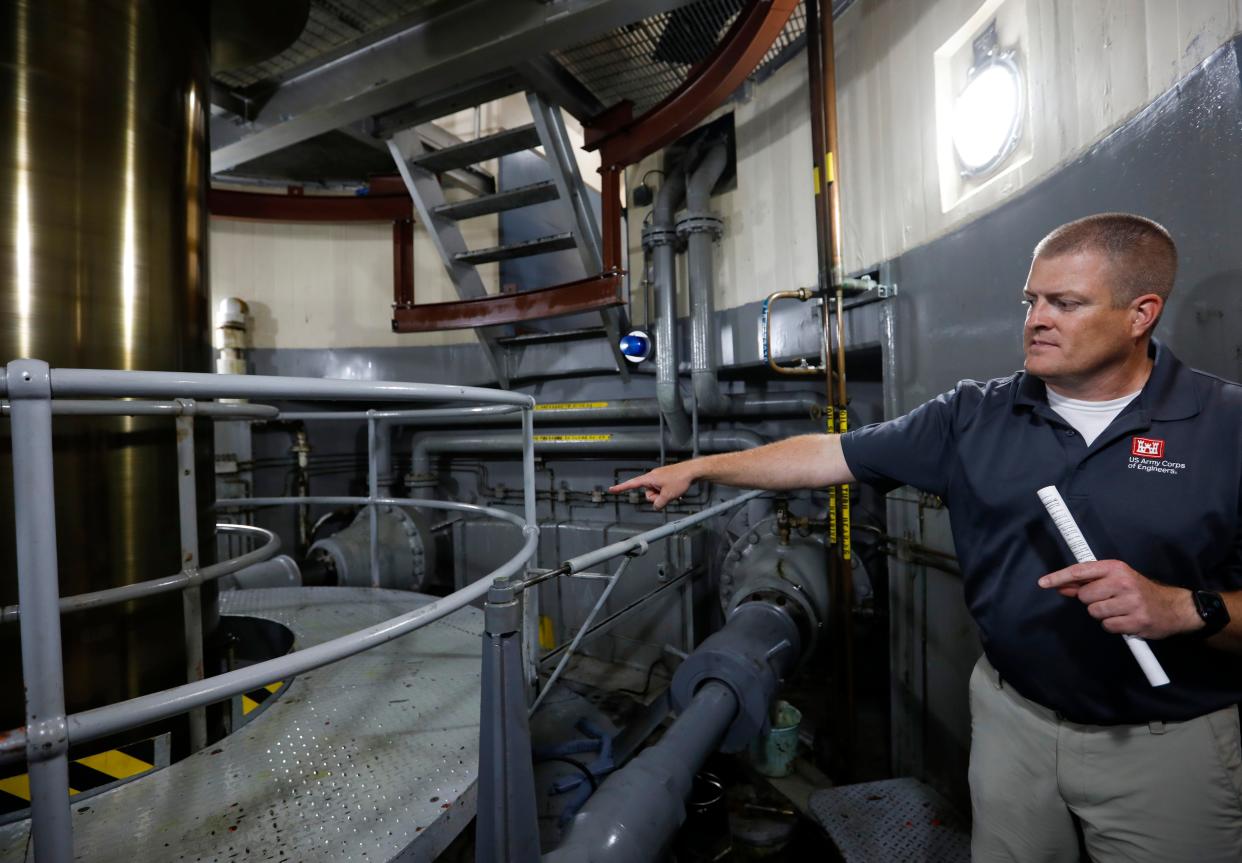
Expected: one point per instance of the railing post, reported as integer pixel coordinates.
(507, 828)
(373, 494)
(530, 598)
(191, 595)
(47, 739)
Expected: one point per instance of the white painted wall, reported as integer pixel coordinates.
(1091, 65)
(330, 285)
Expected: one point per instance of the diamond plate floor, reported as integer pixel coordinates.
(895, 820)
(373, 758)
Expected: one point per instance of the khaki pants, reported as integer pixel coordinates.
(1158, 793)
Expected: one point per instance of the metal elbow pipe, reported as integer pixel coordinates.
(700, 229)
(661, 238)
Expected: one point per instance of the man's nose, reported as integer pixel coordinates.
(1037, 315)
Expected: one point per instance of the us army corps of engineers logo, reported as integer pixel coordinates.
(1147, 455)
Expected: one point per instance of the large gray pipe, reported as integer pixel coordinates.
(701, 229)
(724, 688)
(662, 237)
(511, 442)
(636, 812)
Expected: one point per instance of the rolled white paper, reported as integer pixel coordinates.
(1077, 543)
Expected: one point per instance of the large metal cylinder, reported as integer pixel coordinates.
(103, 177)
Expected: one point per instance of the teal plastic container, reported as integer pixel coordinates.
(773, 753)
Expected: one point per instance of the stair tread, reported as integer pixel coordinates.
(479, 150)
(509, 199)
(538, 246)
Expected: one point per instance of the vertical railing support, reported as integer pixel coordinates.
(373, 494)
(530, 598)
(507, 827)
(191, 596)
(47, 738)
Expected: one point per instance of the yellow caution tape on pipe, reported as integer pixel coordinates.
(568, 438)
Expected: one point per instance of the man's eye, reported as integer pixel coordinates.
(1067, 305)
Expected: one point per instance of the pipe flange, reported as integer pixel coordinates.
(659, 235)
(700, 223)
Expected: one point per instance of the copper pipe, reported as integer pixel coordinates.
(801, 295)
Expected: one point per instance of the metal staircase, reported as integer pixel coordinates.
(420, 168)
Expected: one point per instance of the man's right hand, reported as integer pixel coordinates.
(662, 485)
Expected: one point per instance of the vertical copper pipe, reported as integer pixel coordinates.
(822, 74)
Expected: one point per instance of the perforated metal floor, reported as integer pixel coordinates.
(373, 758)
(896, 820)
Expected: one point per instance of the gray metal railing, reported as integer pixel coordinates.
(35, 393)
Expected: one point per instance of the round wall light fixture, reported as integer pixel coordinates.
(635, 346)
(987, 116)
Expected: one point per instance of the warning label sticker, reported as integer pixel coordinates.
(570, 406)
(566, 438)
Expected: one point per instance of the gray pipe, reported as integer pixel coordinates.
(795, 404)
(628, 441)
(701, 229)
(662, 238)
(636, 812)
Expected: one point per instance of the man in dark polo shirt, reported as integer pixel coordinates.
(1147, 453)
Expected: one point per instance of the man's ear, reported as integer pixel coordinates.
(1144, 313)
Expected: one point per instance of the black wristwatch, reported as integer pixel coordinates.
(1212, 610)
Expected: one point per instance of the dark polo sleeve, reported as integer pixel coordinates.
(916, 449)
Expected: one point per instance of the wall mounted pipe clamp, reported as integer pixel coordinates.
(751, 654)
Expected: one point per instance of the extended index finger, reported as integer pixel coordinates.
(1078, 574)
(641, 481)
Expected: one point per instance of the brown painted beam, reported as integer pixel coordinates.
(585, 295)
(706, 87)
(228, 204)
(403, 262)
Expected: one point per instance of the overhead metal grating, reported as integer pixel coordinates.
(332, 28)
(646, 61)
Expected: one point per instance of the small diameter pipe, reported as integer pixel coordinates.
(424, 445)
(582, 631)
(635, 543)
(795, 404)
(167, 584)
(1064, 520)
(102, 721)
(407, 417)
(180, 407)
(88, 383)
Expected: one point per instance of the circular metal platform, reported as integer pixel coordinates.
(373, 758)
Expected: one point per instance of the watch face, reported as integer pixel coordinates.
(1212, 609)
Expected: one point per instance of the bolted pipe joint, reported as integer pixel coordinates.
(693, 222)
(751, 655)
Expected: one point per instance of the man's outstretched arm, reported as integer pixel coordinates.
(806, 461)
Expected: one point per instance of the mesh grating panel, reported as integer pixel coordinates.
(331, 26)
(646, 61)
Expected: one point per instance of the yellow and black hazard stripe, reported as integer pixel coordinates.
(253, 700)
(85, 774)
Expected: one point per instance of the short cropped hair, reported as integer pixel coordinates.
(1143, 255)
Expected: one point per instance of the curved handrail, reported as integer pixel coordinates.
(167, 584)
(102, 721)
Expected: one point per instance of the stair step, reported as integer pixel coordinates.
(553, 243)
(510, 199)
(479, 150)
(578, 335)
